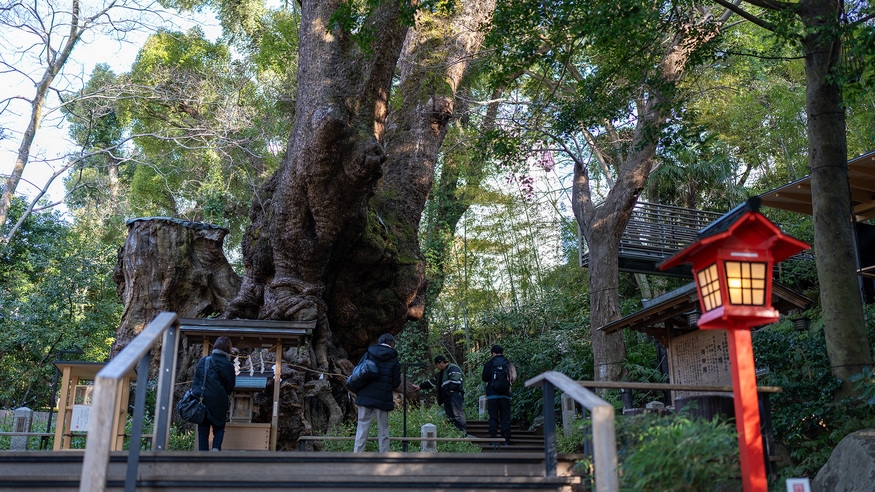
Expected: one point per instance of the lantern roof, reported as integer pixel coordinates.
(743, 227)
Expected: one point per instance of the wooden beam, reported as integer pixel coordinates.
(668, 386)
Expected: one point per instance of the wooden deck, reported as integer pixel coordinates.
(654, 233)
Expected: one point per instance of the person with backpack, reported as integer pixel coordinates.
(498, 374)
(215, 373)
(450, 393)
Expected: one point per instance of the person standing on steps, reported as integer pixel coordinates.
(375, 400)
(450, 393)
(218, 380)
(498, 374)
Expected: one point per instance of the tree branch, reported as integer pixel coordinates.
(745, 14)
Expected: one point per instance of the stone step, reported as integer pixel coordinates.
(294, 471)
(522, 440)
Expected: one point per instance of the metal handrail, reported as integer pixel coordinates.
(604, 435)
(165, 326)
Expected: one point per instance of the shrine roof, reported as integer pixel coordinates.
(796, 196)
(670, 309)
(249, 333)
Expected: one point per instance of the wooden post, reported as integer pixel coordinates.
(63, 420)
(120, 415)
(96, 460)
(550, 457)
(747, 410)
(604, 442)
(277, 372)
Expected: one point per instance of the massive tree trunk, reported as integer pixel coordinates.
(844, 326)
(353, 259)
(176, 266)
(322, 244)
(171, 265)
(316, 203)
(179, 266)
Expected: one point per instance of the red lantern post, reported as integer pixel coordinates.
(732, 262)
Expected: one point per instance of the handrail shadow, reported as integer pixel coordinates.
(165, 327)
(604, 436)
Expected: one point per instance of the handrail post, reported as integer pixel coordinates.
(95, 463)
(164, 396)
(605, 448)
(137, 423)
(96, 460)
(603, 429)
(550, 454)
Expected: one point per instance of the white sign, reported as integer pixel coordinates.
(79, 422)
(798, 485)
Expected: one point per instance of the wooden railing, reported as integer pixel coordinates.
(662, 230)
(105, 398)
(604, 436)
(656, 232)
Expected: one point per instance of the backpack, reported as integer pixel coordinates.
(501, 377)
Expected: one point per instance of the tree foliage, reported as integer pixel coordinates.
(57, 294)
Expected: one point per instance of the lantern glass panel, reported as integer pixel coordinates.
(709, 285)
(746, 282)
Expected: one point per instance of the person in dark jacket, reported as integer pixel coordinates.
(218, 384)
(450, 393)
(498, 402)
(375, 399)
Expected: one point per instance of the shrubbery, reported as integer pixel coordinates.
(669, 453)
(808, 422)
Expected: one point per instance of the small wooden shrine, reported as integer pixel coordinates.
(257, 337)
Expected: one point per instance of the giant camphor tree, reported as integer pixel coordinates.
(334, 231)
(338, 244)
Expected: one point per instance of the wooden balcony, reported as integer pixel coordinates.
(654, 233)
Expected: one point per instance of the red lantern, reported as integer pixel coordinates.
(732, 262)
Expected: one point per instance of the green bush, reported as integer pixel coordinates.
(668, 453)
(807, 420)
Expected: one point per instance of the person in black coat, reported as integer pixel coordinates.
(375, 399)
(498, 402)
(218, 384)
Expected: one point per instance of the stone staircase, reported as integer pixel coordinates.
(521, 441)
(295, 471)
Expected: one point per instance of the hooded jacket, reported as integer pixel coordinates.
(219, 384)
(378, 393)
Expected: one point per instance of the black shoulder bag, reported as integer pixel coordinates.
(191, 406)
(363, 374)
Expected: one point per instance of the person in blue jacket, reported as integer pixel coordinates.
(218, 384)
(375, 400)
